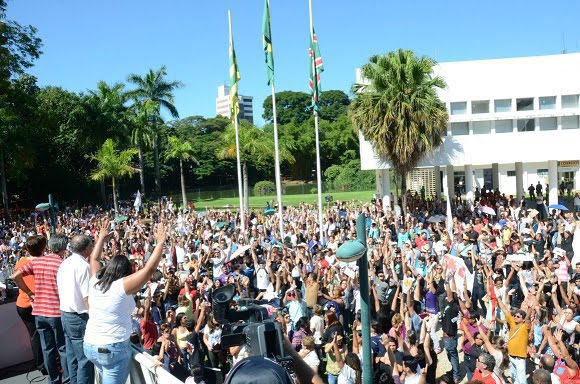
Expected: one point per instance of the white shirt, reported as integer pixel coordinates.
(317, 326)
(109, 314)
(72, 280)
(347, 375)
(262, 280)
(179, 254)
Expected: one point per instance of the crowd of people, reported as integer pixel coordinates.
(492, 290)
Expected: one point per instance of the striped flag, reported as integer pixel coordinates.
(316, 68)
(234, 78)
(267, 42)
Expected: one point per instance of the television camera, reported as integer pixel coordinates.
(249, 325)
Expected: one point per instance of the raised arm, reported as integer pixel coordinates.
(95, 258)
(134, 282)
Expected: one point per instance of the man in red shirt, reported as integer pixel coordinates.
(148, 327)
(46, 305)
(485, 364)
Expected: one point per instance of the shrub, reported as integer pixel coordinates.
(264, 188)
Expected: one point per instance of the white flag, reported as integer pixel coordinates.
(137, 203)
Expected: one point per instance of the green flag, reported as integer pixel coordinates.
(267, 42)
(234, 78)
(316, 68)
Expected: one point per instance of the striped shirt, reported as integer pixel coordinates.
(44, 268)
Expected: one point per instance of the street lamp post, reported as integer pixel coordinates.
(354, 250)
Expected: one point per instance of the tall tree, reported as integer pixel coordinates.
(142, 116)
(256, 147)
(154, 87)
(182, 151)
(112, 164)
(399, 111)
(19, 47)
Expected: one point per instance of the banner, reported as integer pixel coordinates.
(462, 274)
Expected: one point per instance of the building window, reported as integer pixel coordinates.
(542, 172)
(458, 108)
(511, 173)
(481, 127)
(459, 129)
(480, 106)
(526, 104)
(548, 102)
(570, 101)
(570, 122)
(548, 124)
(526, 125)
(503, 105)
(504, 126)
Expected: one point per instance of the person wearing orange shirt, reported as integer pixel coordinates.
(519, 328)
(34, 246)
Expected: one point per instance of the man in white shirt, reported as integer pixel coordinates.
(73, 289)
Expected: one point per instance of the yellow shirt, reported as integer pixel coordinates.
(518, 338)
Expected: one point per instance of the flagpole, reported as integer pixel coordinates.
(318, 171)
(238, 165)
(277, 153)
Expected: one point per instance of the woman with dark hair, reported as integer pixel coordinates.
(106, 341)
(180, 334)
(302, 329)
(350, 367)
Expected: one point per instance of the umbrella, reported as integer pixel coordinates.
(269, 211)
(558, 206)
(487, 210)
(241, 249)
(120, 219)
(436, 219)
(220, 224)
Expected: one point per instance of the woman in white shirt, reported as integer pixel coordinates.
(111, 290)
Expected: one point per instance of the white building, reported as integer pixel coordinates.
(222, 104)
(512, 123)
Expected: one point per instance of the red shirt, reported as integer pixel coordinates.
(46, 300)
(489, 379)
(150, 335)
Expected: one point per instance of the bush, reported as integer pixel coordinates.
(264, 188)
(349, 176)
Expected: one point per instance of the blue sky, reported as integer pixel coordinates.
(89, 41)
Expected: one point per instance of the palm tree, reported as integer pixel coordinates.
(183, 151)
(398, 110)
(154, 87)
(108, 118)
(256, 147)
(113, 164)
(142, 117)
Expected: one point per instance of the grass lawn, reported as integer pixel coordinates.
(294, 200)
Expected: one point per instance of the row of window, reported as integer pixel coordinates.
(505, 105)
(507, 126)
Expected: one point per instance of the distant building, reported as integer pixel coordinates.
(222, 104)
(512, 123)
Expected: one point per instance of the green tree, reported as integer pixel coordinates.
(255, 148)
(290, 106)
(142, 117)
(154, 87)
(112, 164)
(333, 104)
(182, 151)
(19, 47)
(399, 111)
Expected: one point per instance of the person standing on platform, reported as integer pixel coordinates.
(73, 289)
(35, 246)
(46, 306)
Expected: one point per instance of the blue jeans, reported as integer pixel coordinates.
(53, 346)
(450, 345)
(111, 360)
(80, 369)
(332, 379)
